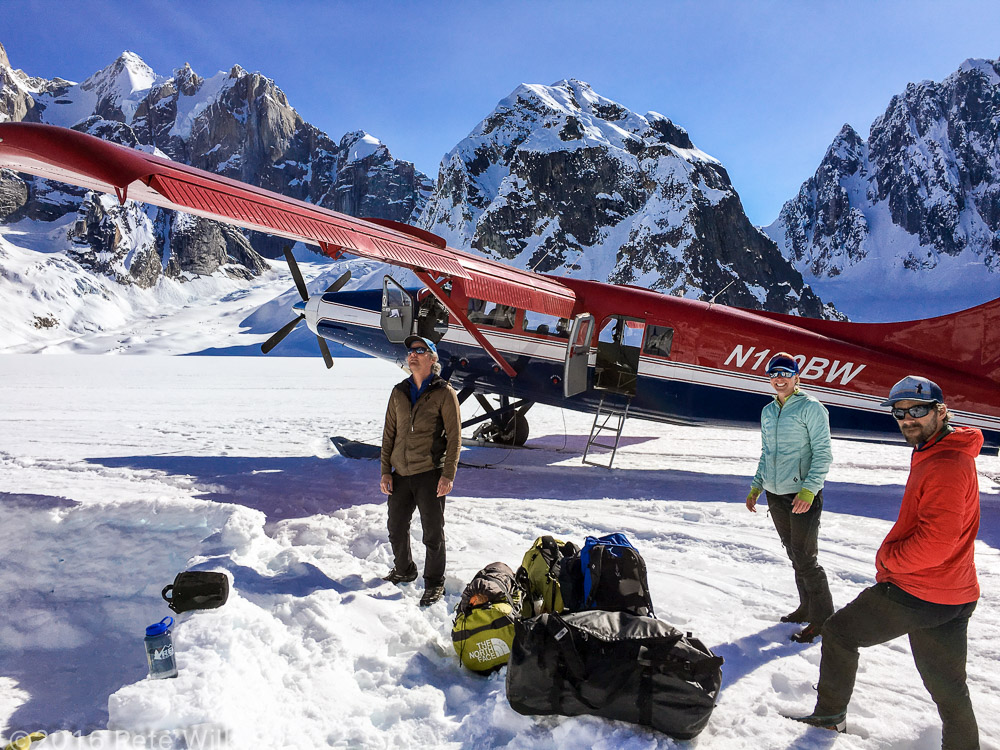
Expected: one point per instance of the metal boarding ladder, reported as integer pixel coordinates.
(599, 427)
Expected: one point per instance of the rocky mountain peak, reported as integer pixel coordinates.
(238, 124)
(563, 180)
(187, 81)
(16, 89)
(127, 75)
(113, 93)
(360, 145)
(921, 195)
(988, 68)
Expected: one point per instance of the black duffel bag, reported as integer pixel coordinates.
(615, 665)
(197, 589)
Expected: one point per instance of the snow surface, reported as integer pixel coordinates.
(51, 304)
(118, 472)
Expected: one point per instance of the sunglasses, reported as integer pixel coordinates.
(780, 374)
(918, 411)
(419, 350)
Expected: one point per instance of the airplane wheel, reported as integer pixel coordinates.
(515, 430)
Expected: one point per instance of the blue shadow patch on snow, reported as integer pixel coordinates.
(66, 688)
(297, 487)
(29, 501)
(751, 652)
(301, 579)
(280, 487)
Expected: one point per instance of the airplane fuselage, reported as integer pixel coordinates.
(713, 374)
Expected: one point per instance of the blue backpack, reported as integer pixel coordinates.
(608, 574)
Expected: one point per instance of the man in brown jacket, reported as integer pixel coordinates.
(420, 445)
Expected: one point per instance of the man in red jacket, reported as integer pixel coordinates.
(925, 571)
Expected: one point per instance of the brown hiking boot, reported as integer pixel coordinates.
(808, 634)
(432, 594)
(393, 576)
(799, 615)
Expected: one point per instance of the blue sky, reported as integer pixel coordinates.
(762, 86)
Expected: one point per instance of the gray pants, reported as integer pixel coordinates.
(799, 533)
(417, 492)
(937, 639)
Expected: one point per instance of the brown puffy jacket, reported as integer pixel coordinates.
(423, 436)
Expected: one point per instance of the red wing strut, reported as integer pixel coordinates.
(79, 159)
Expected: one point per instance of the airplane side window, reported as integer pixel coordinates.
(477, 310)
(659, 341)
(501, 316)
(536, 322)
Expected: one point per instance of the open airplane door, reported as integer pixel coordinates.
(397, 311)
(578, 355)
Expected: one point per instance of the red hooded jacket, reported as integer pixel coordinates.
(929, 553)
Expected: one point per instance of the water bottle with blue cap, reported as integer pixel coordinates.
(160, 650)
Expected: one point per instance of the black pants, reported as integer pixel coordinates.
(799, 533)
(418, 491)
(937, 639)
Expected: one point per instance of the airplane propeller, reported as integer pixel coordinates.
(300, 285)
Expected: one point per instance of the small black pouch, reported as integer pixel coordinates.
(197, 589)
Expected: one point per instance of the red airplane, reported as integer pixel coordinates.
(610, 350)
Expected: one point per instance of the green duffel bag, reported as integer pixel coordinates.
(484, 619)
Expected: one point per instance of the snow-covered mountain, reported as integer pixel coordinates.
(907, 223)
(560, 179)
(237, 124)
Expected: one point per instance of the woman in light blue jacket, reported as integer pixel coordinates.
(795, 457)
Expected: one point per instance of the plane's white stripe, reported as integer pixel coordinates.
(508, 342)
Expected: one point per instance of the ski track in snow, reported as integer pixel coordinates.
(118, 472)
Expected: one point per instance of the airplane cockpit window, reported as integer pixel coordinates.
(659, 340)
(536, 322)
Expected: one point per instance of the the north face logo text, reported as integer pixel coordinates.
(490, 649)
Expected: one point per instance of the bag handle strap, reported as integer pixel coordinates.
(660, 659)
(562, 635)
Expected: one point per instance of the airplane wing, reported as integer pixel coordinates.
(80, 159)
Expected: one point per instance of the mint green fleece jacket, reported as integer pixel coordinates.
(795, 453)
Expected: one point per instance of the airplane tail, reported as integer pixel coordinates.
(967, 341)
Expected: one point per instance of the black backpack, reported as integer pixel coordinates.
(197, 589)
(608, 574)
(614, 665)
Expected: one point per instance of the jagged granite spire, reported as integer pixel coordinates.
(236, 123)
(563, 180)
(907, 223)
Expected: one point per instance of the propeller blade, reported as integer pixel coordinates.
(300, 283)
(339, 283)
(325, 350)
(280, 334)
